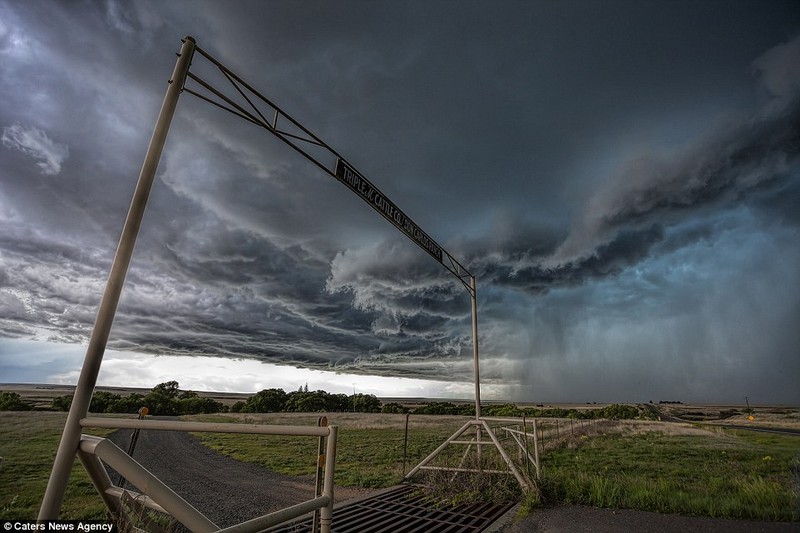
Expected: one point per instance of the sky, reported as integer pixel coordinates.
(622, 177)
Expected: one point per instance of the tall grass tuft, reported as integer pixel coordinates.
(729, 475)
(769, 496)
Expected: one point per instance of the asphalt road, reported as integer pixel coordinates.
(580, 518)
(782, 431)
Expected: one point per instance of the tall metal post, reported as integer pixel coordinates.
(474, 295)
(70, 438)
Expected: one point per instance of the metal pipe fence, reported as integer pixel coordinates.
(156, 495)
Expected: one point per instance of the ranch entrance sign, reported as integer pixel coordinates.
(250, 105)
(375, 198)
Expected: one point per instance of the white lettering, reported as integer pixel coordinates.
(22, 526)
(383, 205)
(94, 527)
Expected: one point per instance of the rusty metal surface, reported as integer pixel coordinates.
(401, 510)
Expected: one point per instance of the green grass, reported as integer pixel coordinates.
(365, 456)
(28, 443)
(723, 474)
(731, 475)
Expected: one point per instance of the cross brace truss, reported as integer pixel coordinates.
(249, 104)
(482, 428)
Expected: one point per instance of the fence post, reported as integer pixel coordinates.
(405, 445)
(326, 514)
(541, 436)
(536, 451)
(134, 439)
(525, 441)
(322, 421)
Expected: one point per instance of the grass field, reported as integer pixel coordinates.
(640, 465)
(369, 449)
(28, 443)
(731, 474)
(671, 468)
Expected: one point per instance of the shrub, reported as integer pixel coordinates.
(61, 403)
(12, 401)
(394, 408)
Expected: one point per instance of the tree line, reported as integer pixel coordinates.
(167, 399)
(613, 411)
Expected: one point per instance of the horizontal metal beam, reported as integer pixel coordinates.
(278, 517)
(509, 419)
(518, 432)
(472, 470)
(204, 427)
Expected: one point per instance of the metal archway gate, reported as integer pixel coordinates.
(253, 107)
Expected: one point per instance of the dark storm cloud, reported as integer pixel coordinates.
(608, 259)
(749, 160)
(615, 174)
(753, 162)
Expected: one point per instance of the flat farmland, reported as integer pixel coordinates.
(695, 468)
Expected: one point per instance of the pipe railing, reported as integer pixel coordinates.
(94, 451)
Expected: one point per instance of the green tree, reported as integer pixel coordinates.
(366, 403)
(103, 402)
(338, 403)
(61, 403)
(393, 407)
(440, 408)
(12, 401)
(163, 399)
(195, 404)
(130, 403)
(267, 401)
(306, 402)
(620, 412)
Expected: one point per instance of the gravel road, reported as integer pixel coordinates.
(225, 490)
